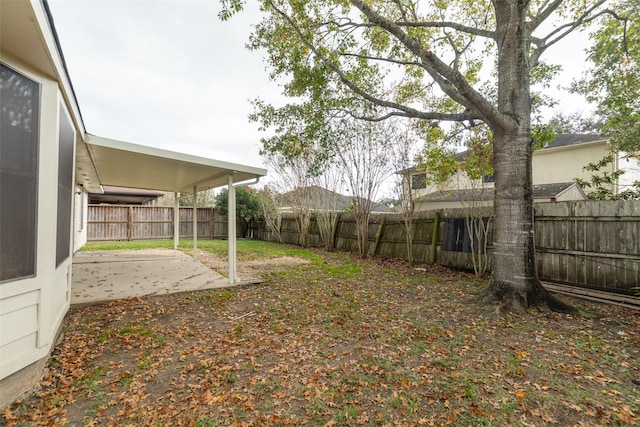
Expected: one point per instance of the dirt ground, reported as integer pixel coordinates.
(333, 340)
(250, 269)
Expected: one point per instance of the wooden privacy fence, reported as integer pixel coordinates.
(118, 222)
(589, 244)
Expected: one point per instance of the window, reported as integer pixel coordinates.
(65, 187)
(488, 178)
(419, 181)
(19, 118)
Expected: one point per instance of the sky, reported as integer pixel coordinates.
(172, 75)
(167, 74)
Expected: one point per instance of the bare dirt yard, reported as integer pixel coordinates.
(329, 339)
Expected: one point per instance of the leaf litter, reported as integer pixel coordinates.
(337, 341)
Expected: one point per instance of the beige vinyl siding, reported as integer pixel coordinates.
(32, 309)
(564, 164)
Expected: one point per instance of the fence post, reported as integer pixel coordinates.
(334, 232)
(434, 238)
(130, 223)
(379, 235)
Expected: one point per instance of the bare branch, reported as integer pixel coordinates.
(544, 14)
(562, 31)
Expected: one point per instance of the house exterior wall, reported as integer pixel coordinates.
(458, 181)
(32, 308)
(564, 164)
(631, 166)
(551, 165)
(80, 212)
(449, 204)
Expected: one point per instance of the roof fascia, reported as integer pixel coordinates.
(50, 38)
(173, 155)
(571, 147)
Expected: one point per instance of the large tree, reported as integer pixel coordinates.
(378, 59)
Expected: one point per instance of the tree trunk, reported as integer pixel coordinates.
(514, 280)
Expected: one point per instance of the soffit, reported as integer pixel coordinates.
(22, 37)
(124, 164)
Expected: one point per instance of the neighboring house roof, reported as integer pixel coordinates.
(546, 191)
(567, 139)
(124, 196)
(542, 191)
(322, 199)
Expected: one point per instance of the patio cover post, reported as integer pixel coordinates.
(176, 220)
(195, 225)
(231, 230)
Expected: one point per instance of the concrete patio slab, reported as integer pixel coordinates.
(109, 275)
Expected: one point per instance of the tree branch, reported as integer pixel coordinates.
(444, 75)
(461, 117)
(449, 25)
(559, 33)
(544, 14)
(408, 111)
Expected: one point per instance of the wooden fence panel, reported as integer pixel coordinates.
(107, 223)
(588, 244)
(120, 222)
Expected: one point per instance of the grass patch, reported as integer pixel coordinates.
(246, 249)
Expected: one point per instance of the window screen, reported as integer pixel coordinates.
(65, 187)
(19, 105)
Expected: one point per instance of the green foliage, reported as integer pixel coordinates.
(247, 206)
(575, 123)
(613, 83)
(603, 181)
(442, 163)
(203, 199)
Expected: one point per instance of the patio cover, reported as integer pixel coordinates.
(102, 161)
(124, 164)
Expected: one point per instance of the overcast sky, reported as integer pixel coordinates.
(170, 74)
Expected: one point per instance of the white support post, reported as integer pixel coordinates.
(176, 220)
(195, 224)
(231, 230)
